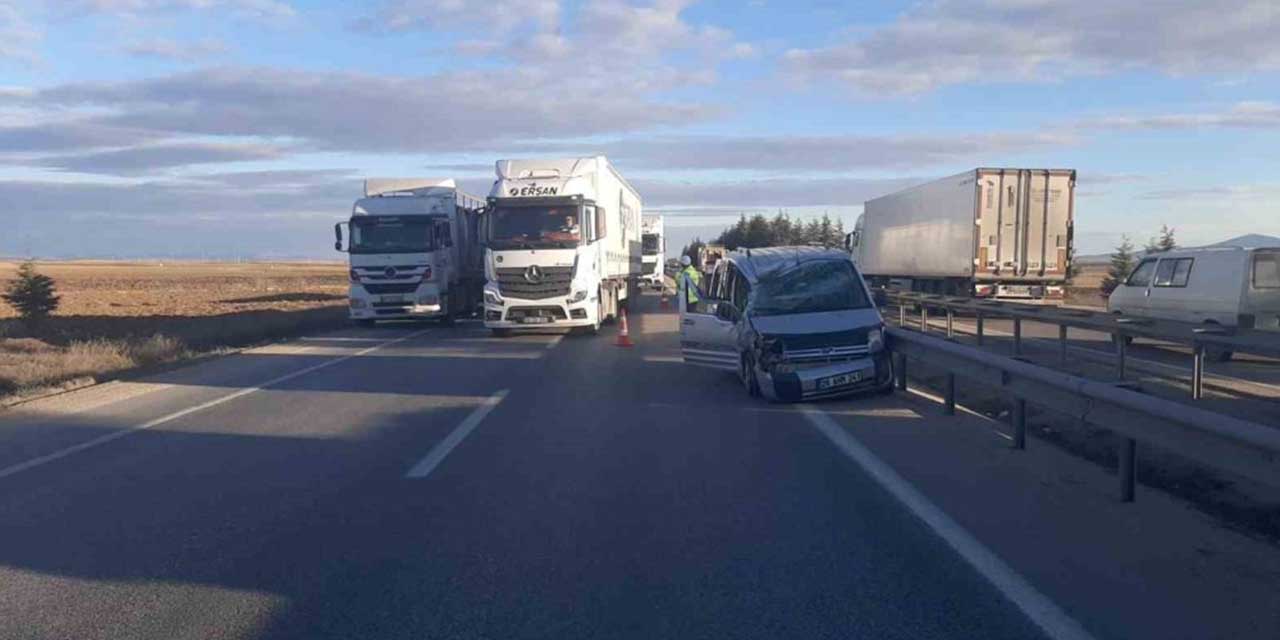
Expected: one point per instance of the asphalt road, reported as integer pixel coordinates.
(423, 482)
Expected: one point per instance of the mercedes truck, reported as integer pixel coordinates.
(414, 251)
(653, 249)
(563, 244)
(1000, 233)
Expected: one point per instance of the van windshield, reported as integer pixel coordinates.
(809, 287)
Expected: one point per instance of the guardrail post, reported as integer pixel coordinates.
(1017, 336)
(1121, 348)
(900, 371)
(949, 406)
(1019, 424)
(1062, 344)
(924, 318)
(1197, 373)
(980, 332)
(1128, 468)
(950, 323)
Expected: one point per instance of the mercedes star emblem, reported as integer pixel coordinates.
(533, 275)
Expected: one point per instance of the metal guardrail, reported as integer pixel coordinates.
(1201, 338)
(1238, 446)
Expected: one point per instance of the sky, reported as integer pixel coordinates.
(244, 128)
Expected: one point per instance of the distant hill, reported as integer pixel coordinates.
(1250, 240)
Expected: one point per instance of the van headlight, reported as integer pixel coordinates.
(875, 340)
(578, 296)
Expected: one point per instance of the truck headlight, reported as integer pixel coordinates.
(578, 296)
(492, 297)
(875, 340)
(429, 300)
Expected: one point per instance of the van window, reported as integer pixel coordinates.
(1266, 271)
(1141, 276)
(1174, 272)
(741, 288)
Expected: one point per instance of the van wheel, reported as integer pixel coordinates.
(1217, 355)
(748, 375)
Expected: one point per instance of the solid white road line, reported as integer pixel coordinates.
(1040, 609)
(455, 437)
(116, 435)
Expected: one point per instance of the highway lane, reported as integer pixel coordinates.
(602, 492)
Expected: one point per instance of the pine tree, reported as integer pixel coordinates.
(1167, 241)
(32, 295)
(1122, 260)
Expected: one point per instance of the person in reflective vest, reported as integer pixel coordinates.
(690, 276)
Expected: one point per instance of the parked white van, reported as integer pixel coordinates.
(1226, 286)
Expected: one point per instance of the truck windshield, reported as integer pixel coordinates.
(649, 244)
(390, 234)
(535, 227)
(809, 287)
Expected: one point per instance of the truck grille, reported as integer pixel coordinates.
(380, 289)
(555, 281)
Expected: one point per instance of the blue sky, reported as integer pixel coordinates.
(243, 128)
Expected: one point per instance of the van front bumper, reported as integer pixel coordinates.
(871, 373)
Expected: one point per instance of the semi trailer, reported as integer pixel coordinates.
(414, 251)
(563, 244)
(1004, 233)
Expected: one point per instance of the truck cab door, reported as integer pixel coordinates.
(708, 333)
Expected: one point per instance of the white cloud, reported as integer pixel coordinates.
(951, 42)
(19, 37)
(148, 158)
(833, 153)
(168, 49)
(364, 112)
(1243, 115)
(261, 9)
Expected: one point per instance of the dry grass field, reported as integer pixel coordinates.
(116, 316)
(1084, 287)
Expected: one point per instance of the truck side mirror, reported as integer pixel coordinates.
(337, 237)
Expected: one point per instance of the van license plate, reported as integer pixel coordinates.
(840, 380)
(535, 320)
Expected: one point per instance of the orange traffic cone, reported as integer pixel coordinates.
(624, 335)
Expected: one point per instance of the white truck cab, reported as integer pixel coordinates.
(653, 250)
(563, 244)
(414, 251)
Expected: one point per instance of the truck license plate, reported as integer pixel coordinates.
(391, 299)
(535, 320)
(840, 380)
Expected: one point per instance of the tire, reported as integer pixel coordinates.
(1217, 355)
(747, 373)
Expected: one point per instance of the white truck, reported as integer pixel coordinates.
(414, 251)
(653, 249)
(986, 233)
(563, 244)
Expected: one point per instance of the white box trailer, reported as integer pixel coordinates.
(985, 232)
(563, 244)
(414, 251)
(653, 249)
